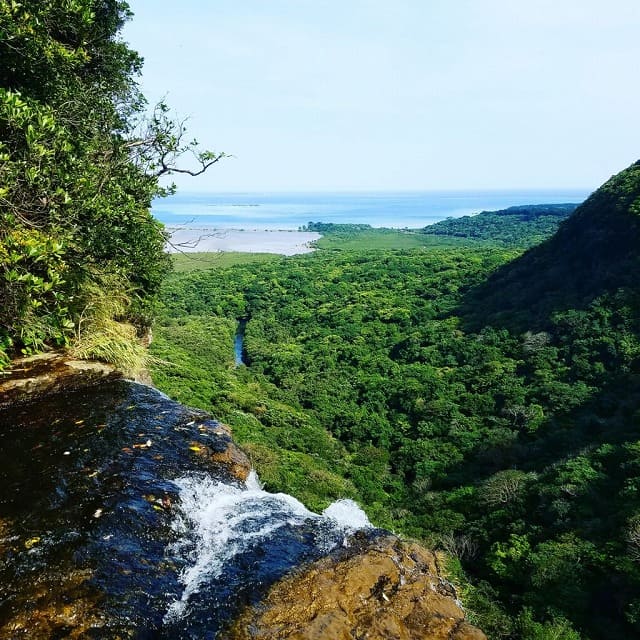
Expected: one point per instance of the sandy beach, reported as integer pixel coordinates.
(192, 239)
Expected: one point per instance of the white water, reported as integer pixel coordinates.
(348, 514)
(217, 521)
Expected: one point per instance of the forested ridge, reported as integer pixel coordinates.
(594, 252)
(518, 226)
(493, 424)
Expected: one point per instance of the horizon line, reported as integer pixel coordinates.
(319, 191)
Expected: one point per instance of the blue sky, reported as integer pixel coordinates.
(402, 94)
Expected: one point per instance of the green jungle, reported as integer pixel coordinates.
(480, 394)
(474, 384)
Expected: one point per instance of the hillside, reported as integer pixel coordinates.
(381, 375)
(594, 252)
(519, 226)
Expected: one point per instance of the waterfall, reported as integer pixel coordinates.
(109, 500)
(221, 525)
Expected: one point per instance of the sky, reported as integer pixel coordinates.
(313, 95)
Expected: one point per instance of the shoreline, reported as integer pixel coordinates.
(206, 239)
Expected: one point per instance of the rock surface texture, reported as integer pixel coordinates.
(381, 589)
(47, 373)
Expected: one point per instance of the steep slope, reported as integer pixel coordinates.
(595, 251)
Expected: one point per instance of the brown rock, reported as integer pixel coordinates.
(385, 589)
(54, 606)
(50, 373)
(228, 455)
(5, 536)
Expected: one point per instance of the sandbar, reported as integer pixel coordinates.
(206, 239)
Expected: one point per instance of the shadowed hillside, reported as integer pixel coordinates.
(595, 251)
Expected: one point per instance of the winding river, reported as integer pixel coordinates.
(238, 343)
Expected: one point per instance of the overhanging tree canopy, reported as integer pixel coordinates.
(79, 167)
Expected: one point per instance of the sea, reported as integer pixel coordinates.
(291, 211)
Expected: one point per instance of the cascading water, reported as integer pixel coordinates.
(111, 524)
(224, 528)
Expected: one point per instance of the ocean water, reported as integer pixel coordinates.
(271, 211)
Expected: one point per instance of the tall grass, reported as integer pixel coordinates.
(102, 332)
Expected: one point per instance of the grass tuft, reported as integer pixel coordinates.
(103, 335)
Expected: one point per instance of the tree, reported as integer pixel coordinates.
(504, 487)
(79, 166)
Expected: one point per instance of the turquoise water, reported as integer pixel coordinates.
(292, 210)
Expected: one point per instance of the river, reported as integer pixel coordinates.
(238, 342)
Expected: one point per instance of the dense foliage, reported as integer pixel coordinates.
(79, 166)
(354, 236)
(594, 252)
(519, 226)
(516, 451)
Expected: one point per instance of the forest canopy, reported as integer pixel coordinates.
(420, 383)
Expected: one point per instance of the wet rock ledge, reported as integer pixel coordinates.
(49, 373)
(376, 589)
(87, 523)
